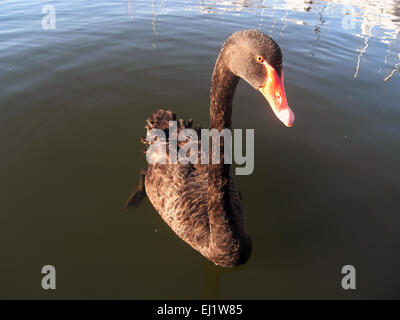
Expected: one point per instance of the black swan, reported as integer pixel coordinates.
(200, 202)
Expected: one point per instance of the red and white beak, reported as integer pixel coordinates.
(274, 91)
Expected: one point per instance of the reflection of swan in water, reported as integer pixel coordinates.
(212, 278)
(212, 275)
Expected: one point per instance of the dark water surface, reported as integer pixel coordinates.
(73, 100)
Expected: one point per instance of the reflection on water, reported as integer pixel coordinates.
(396, 69)
(362, 19)
(130, 9)
(220, 7)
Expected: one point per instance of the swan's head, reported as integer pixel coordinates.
(256, 58)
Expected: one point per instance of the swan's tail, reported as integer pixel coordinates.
(161, 119)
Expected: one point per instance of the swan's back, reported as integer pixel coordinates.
(179, 193)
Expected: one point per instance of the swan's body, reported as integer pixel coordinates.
(179, 193)
(200, 202)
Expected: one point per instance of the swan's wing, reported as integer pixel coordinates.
(179, 194)
(179, 191)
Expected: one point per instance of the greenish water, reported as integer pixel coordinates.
(73, 101)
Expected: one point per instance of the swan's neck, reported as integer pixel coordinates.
(223, 230)
(223, 86)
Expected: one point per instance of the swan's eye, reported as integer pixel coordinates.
(259, 59)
